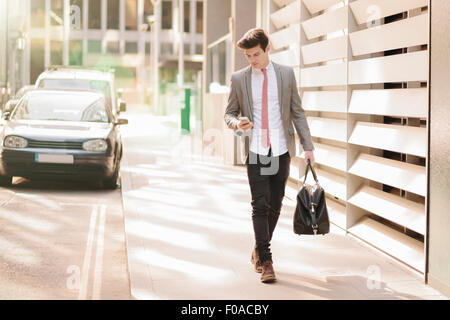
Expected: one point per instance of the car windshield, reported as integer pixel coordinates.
(62, 107)
(84, 84)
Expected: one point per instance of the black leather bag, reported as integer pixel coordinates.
(311, 214)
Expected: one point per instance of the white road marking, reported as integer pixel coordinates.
(82, 295)
(98, 272)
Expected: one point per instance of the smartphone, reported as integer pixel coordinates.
(240, 132)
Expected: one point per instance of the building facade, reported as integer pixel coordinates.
(12, 48)
(110, 33)
(363, 72)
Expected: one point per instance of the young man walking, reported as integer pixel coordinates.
(266, 94)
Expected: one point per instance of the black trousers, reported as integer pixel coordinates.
(267, 176)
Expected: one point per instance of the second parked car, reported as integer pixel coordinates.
(72, 77)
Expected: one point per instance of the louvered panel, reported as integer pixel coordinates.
(282, 3)
(326, 23)
(336, 213)
(285, 37)
(315, 6)
(397, 68)
(287, 15)
(402, 175)
(396, 244)
(369, 10)
(332, 184)
(391, 102)
(325, 50)
(401, 34)
(391, 207)
(397, 138)
(330, 75)
(328, 101)
(330, 156)
(288, 57)
(333, 129)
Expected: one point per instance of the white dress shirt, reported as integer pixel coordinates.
(276, 132)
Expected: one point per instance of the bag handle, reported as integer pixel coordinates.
(314, 218)
(309, 166)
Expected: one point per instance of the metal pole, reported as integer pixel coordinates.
(66, 26)
(7, 48)
(181, 43)
(156, 26)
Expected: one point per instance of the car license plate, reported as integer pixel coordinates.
(53, 158)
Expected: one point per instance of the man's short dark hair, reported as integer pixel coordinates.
(252, 38)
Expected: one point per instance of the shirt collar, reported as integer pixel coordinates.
(268, 68)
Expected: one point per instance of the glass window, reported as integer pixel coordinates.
(187, 16)
(166, 15)
(76, 14)
(37, 58)
(168, 75)
(148, 11)
(131, 47)
(76, 52)
(56, 52)
(217, 57)
(57, 13)
(113, 47)
(95, 14)
(131, 15)
(166, 48)
(62, 107)
(147, 48)
(199, 21)
(94, 46)
(113, 14)
(198, 49)
(37, 10)
(98, 85)
(187, 49)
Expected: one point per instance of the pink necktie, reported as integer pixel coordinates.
(265, 113)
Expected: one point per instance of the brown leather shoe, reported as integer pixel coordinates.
(256, 262)
(268, 274)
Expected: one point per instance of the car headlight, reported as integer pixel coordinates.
(15, 142)
(98, 145)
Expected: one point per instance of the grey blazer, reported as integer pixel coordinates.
(240, 103)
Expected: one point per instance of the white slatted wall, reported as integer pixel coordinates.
(362, 71)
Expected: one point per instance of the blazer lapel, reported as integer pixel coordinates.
(248, 87)
(279, 84)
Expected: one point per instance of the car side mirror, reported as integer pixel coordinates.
(6, 115)
(122, 106)
(121, 122)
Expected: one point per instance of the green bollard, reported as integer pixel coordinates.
(186, 112)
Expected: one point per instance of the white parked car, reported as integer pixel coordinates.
(68, 77)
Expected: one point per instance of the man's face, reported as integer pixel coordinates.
(257, 57)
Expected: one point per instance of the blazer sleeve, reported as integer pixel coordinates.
(299, 117)
(233, 108)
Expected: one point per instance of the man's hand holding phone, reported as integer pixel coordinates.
(244, 124)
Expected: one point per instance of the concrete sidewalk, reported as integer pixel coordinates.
(189, 233)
